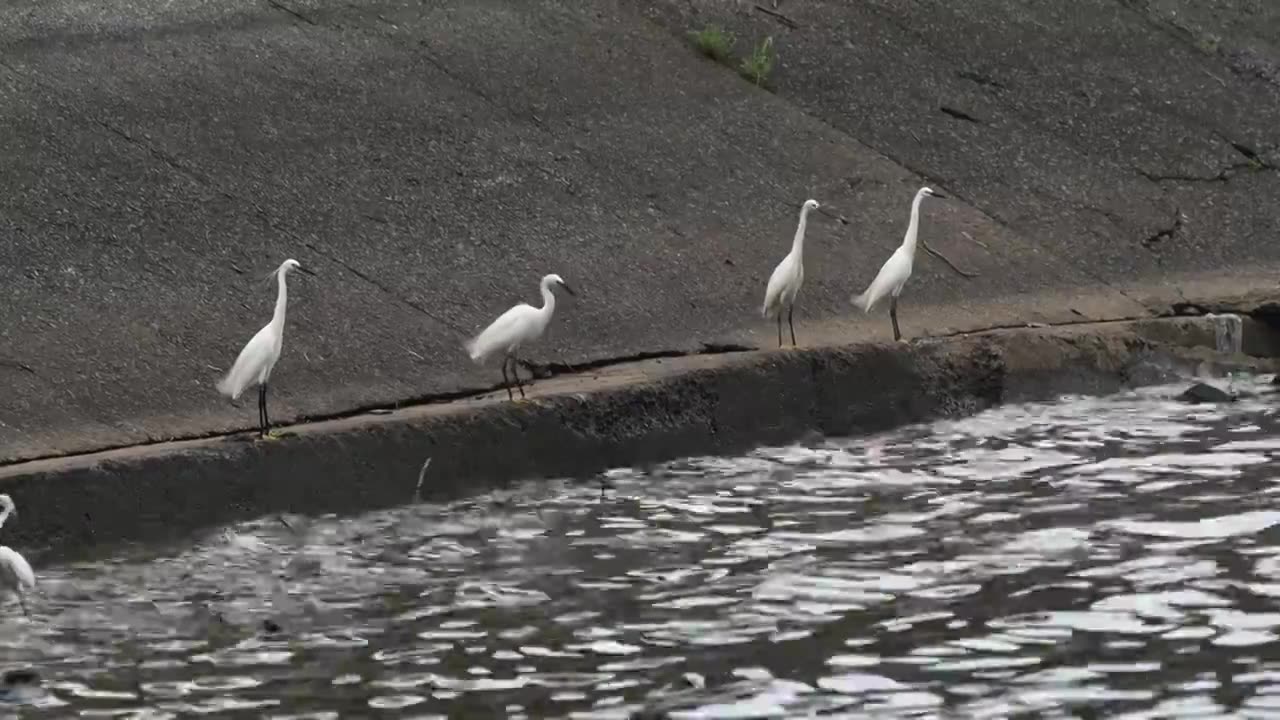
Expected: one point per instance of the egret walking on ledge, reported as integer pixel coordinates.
(515, 327)
(784, 283)
(259, 356)
(894, 273)
(16, 575)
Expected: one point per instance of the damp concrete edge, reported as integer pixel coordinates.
(576, 427)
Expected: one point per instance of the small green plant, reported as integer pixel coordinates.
(1209, 43)
(757, 67)
(714, 42)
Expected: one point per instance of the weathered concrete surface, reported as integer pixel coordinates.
(431, 161)
(628, 415)
(1125, 137)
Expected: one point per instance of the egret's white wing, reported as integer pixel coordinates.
(16, 569)
(777, 285)
(255, 355)
(893, 273)
(511, 327)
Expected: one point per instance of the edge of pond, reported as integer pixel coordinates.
(579, 425)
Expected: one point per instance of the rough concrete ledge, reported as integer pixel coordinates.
(628, 415)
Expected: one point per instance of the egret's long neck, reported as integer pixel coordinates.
(282, 300)
(797, 245)
(5, 515)
(913, 228)
(548, 301)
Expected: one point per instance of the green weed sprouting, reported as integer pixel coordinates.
(715, 43)
(757, 67)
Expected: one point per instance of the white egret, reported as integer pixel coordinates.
(784, 283)
(515, 327)
(7, 508)
(16, 575)
(259, 356)
(896, 270)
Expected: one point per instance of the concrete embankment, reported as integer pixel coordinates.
(432, 160)
(578, 425)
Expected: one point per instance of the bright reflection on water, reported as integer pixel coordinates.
(1117, 553)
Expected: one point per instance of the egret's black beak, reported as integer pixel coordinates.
(304, 270)
(568, 289)
(939, 195)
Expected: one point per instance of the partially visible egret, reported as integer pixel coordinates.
(7, 508)
(784, 283)
(896, 270)
(259, 356)
(515, 327)
(16, 575)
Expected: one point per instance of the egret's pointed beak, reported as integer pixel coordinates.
(568, 289)
(939, 195)
(304, 270)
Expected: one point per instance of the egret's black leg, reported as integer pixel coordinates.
(515, 371)
(262, 417)
(893, 315)
(791, 311)
(23, 602)
(505, 382)
(779, 327)
(266, 418)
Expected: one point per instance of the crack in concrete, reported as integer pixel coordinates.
(155, 152)
(545, 371)
(979, 78)
(959, 114)
(18, 365)
(1253, 161)
(382, 287)
(290, 11)
(1222, 176)
(1203, 44)
(1151, 242)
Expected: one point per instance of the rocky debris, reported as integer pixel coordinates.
(1206, 393)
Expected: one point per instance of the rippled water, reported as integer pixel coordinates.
(1118, 554)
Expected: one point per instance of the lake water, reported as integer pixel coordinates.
(1114, 557)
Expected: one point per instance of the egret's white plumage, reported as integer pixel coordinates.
(259, 356)
(514, 328)
(785, 282)
(7, 508)
(896, 270)
(16, 575)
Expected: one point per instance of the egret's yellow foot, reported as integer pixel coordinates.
(271, 436)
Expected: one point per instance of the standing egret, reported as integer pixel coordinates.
(896, 270)
(784, 283)
(515, 327)
(16, 575)
(259, 356)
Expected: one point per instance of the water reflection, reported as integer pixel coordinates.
(1113, 554)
